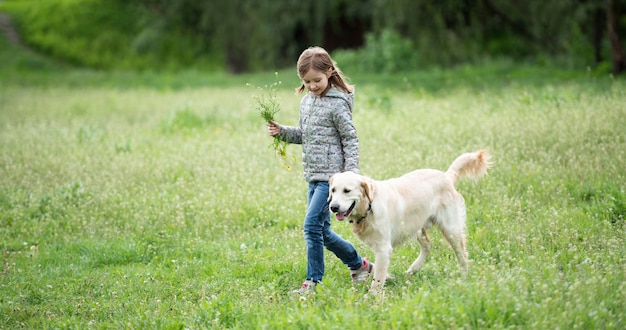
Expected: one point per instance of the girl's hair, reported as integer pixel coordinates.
(317, 58)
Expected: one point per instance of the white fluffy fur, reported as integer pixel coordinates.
(386, 213)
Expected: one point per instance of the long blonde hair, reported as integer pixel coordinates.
(317, 58)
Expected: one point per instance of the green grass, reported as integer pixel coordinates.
(149, 201)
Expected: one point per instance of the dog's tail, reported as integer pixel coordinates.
(471, 164)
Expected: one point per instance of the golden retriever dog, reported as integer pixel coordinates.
(384, 214)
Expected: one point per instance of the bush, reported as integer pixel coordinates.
(387, 52)
(104, 34)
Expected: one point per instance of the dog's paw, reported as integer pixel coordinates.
(376, 288)
(411, 271)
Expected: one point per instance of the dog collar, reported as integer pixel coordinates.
(369, 209)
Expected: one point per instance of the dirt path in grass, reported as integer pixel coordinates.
(9, 31)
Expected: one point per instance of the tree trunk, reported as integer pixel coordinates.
(598, 27)
(617, 52)
(236, 60)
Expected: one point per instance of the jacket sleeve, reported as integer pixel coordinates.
(349, 140)
(290, 134)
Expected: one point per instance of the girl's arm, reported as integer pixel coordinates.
(288, 134)
(349, 139)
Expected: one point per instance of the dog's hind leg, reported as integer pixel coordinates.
(457, 241)
(452, 227)
(425, 247)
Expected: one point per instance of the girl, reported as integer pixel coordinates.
(329, 145)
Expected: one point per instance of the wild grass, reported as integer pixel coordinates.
(266, 102)
(152, 207)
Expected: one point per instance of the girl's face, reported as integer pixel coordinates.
(316, 81)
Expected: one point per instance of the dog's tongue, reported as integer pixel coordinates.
(341, 216)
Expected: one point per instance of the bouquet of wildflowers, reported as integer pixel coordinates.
(266, 103)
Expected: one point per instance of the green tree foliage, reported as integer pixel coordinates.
(59, 28)
(104, 34)
(255, 35)
(379, 35)
(452, 31)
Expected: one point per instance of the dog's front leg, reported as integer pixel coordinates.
(383, 257)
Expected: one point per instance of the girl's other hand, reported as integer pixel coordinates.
(273, 128)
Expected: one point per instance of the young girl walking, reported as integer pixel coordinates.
(329, 145)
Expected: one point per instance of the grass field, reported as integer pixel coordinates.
(148, 201)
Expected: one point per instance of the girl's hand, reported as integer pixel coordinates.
(273, 128)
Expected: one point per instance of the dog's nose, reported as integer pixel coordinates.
(334, 208)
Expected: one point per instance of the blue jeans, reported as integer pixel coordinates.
(318, 234)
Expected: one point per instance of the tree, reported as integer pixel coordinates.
(617, 52)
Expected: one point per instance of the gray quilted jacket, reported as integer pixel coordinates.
(327, 134)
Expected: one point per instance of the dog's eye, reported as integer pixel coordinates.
(345, 191)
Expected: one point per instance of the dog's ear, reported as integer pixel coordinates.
(330, 191)
(368, 188)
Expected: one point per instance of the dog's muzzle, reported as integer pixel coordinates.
(341, 215)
